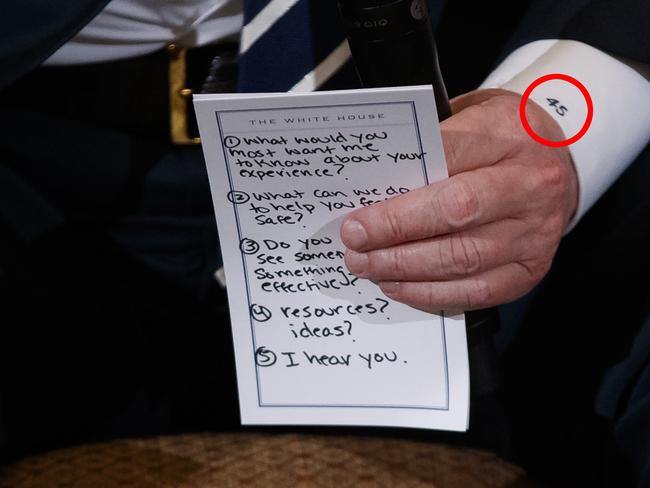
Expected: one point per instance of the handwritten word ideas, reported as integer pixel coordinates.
(315, 344)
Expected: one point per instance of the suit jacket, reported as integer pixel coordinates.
(32, 30)
(618, 27)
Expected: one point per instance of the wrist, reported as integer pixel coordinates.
(621, 98)
(541, 122)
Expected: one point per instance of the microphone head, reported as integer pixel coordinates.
(392, 44)
(376, 20)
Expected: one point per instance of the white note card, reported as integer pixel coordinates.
(315, 345)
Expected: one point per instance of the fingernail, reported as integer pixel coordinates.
(353, 234)
(356, 262)
(389, 287)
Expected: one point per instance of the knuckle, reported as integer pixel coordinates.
(508, 107)
(547, 231)
(444, 251)
(536, 270)
(506, 110)
(394, 226)
(541, 121)
(553, 173)
(549, 178)
(464, 255)
(393, 262)
(478, 294)
(431, 298)
(535, 114)
(475, 111)
(458, 204)
(553, 227)
(450, 145)
(541, 270)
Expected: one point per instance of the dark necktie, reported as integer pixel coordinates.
(296, 45)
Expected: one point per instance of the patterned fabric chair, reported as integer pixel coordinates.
(263, 460)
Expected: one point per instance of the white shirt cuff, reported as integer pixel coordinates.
(621, 97)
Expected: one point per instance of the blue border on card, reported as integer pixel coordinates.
(239, 234)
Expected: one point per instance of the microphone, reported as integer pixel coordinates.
(392, 44)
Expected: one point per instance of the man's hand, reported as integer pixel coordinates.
(486, 235)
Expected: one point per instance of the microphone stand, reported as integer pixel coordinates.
(392, 44)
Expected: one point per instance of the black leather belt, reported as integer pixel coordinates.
(148, 95)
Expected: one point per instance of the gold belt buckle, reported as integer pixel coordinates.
(180, 97)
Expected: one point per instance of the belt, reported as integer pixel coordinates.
(211, 70)
(148, 95)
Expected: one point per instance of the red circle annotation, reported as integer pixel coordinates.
(585, 126)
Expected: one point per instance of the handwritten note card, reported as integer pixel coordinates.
(314, 344)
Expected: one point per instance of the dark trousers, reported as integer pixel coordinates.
(116, 327)
(111, 323)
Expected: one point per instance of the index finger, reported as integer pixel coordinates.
(460, 202)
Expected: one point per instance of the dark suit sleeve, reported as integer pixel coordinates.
(31, 30)
(617, 27)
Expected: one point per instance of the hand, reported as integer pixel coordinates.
(486, 235)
